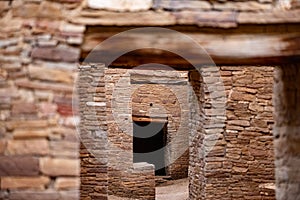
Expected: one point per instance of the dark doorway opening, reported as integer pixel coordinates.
(150, 137)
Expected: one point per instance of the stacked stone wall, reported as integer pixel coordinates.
(93, 132)
(164, 95)
(40, 44)
(241, 163)
(39, 156)
(125, 180)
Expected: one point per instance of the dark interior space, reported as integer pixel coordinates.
(150, 137)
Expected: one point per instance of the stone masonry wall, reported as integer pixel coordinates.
(241, 163)
(125, 178)
(196, 137)
(39, 151)
(93, 132)
(163, 94)
(40, 44)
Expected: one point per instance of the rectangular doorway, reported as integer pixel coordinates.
(149, 140)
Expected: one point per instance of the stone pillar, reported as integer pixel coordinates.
(287, 132)
(93, 132)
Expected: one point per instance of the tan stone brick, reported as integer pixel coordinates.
(60, 166)
(240, 169)
(67, 183)
(259, 123)
(239, 122)
(43, 73)
(24, 182)
(24, 108)
(123, 5)
(28, 147)
(256, 107)
(39, 85)
(30, 133)
(64, 149)
(59, 53)
(26, 124)
(49, 10)
(246, 89)
(35, 195)
(240, 96)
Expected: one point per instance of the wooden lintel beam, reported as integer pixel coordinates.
(230, 49)
(148, 119)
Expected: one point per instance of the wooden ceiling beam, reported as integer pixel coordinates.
(227, 48)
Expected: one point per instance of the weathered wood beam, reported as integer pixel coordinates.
(225, 48)
(149, 119)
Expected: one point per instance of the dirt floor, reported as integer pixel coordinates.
(172, 190)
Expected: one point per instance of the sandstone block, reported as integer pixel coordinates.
(259, 123)
(257, 152)
(240, 169)
(255, 107)
(72, 28)
(30, 133)
(45, 86)
(64, 149)
(60, 167)
(120, 5)
(23, 108)
(28, 147)
(55, 75)
(70, 195)
(18, 166)
(60, 53)
(213, 165)
(34, 195)
(24, 182)
(239, 122)
(26, 124)
(44, 9)
(239, 96)
(67, 183)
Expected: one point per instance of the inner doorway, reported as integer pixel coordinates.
(149, 137)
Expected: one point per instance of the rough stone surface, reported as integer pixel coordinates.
(67, 183)
(39, 183)
(28, 147)
(30, 133)
(59, 53)
(242, 157)
(233, 149)
(94, 174)
(19, 166)
(55, 75)
(162, 94)
(286, 131)
(39, 50)
(59, 167)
